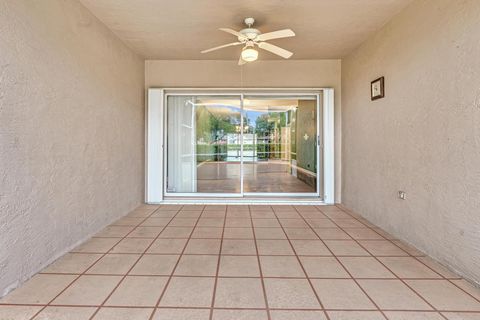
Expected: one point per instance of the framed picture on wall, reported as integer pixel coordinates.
(377, 88)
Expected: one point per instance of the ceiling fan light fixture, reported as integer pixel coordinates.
(249, 54)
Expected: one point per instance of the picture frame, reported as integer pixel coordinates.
(377, 88)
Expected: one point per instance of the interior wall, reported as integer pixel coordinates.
(264, 74)
(424, 136)
(71, 132)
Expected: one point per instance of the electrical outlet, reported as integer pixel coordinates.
(402, 195)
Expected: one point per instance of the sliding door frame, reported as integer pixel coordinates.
(156, 141)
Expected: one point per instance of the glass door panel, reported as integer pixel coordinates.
(280, 144)
(203, 144)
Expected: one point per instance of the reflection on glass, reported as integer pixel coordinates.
(280, 153)
(203, 144)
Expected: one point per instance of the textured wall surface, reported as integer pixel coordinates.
(424, 136)
(260, 74)
(71, 132)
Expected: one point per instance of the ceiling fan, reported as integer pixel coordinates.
(251, 37)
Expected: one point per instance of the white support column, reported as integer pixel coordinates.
(329, 146)
(154, 147)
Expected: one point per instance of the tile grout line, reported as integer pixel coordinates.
(93, 264)
(301, 265)
(399, 278)
(135, 263)
(218, 265)
(343, 266)
(176, 265)
(416, 258)
(262, 279)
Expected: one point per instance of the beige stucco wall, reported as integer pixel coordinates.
(424, 136)
(71, 132)
(260, 74)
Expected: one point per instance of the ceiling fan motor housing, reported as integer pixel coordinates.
(249, 33)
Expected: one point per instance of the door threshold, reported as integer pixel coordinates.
(244, 200)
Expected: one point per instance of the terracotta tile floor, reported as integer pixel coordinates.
(243, 262)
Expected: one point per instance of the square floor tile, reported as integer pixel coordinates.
(211, 222)
(156, 222)
(382, 248)
(182, 222)
(182, 314)
(197, 265)
(408, 267)
(153, 264)
(40, 289)
(345, 248)
(437, 267)
(363, 234)
(444, 296)
(321, 223)
(348, 223)
(88, 290)
(167, 246)
(238, 222)
(393, 295)
(294, 223)
(203, 246)
(72, 263)
(297, 315)
(123, 314)
(461, 316)
(355, 315)
(240, 315)
(207, 232)
(281, 266)
(137, 291)
(132, 245)
(127, 221)
(238, 233)
(323, 267)
(270, 233)
(468, 287)
(239, 293)
(409, 249)
(310, 248)
(266, 223)
(115, 231)
(300, 233)
(18, 312)
(274, 247)
(97, 245)
(331, 234)
(290, 294)
(116, 264)
(176, 232)
(188, 292)
(413, 315)
(341, 294)
(365, 267)
(237, 247)
(65, 313)
(239, 266)
(145, 232)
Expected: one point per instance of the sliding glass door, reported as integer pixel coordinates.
(203, 144)
(242, 145)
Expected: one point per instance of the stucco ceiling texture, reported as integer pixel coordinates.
(180, 29)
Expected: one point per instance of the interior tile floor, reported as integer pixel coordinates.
(243, 262)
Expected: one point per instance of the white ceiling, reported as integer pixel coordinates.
(180, 29)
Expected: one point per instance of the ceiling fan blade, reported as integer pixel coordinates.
(235, 33)
(241, 61)
(276, 50)
(285, 33)
(223, 46)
